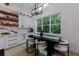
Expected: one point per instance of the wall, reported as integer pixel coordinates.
(69, 22)
(10, 8)
(24, 21)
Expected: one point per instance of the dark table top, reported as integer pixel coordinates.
(45, 38)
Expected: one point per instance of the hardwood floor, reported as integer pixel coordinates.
(21, 51)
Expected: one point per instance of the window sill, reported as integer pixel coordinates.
(50, 34)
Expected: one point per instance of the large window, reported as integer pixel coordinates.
(50, 24)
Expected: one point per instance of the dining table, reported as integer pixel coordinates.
(51, 41)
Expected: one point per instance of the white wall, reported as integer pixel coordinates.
(24, 21)
(10, 8)
(70, 22)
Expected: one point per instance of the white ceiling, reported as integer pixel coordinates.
(24, 6)
(27, 6)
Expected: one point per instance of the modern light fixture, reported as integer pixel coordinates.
(45, 5)
(38, 10)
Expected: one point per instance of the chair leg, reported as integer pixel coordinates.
(36, 50)
(68, 50)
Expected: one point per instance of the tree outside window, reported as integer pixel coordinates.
(50, 24)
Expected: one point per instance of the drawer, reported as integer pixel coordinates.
(11, 42)
(2, 43)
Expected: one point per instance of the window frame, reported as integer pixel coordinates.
(58, 13)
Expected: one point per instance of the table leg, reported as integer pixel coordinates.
(50, 48)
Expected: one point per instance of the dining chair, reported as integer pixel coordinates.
(62, 47)
(41, 48)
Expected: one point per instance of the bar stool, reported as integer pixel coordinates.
(62, 48)
(30, 45)
(41, 47)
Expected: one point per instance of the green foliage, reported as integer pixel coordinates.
(55, 24)
(39, 22)
(39, 28)
(46, 29)
(56, 21)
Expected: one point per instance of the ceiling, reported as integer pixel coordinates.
(24, 6)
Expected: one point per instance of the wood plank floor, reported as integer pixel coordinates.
(21, 51)
(24, 53)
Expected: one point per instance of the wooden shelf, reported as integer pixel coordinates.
(9, 24)
(8, 13)
(9, 19)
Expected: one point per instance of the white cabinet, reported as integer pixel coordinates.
(11, 41)
(2, 43)
(15, 40)
(21, 39)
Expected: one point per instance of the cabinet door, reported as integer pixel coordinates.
(22, 39)
(11, 41)
(2, 44)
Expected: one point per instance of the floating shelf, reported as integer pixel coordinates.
(9, 24)
(8, 13)
(9, 19)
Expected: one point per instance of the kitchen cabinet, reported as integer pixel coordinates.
(15, 40)
(21, 39)
(2, 43)
(11, 41)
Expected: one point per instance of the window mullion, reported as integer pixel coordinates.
(50, 26)
(42, 23)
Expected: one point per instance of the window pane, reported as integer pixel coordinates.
(46, 20)
(58, 19)
(55, 24)
(39, 21)
(39, 28)
(52, 20)
(55, 19)
(46, 29)
(56, 28)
